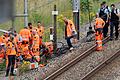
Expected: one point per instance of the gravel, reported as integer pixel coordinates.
(109, 72)
(79, 70)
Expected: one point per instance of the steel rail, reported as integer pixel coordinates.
(102, 65)
(74, 61)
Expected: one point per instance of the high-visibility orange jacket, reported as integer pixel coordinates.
(31, 30)
(10, 48)
(35, 28)
(70, 28)
(26, 52)
(35, 40)
(49, 45)
(5, 39)
(27, 55)
(1, 40)
(17, 38)
(19, 47)
(99, 23)
(40, 31)
(25, 34)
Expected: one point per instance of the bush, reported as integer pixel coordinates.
(3, 66)
(24, 67)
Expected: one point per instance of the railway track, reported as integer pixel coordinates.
(102, 65)
(110, 72)
(78, 59)
(74, 61)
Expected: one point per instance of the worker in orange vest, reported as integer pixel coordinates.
(35, 45)
(99, 24)
(2, 50)
(30, 28)
(49, 46)
(35, 39)
(5, 37)
(27, 55)
(1, 40)
(17, 37)
(11, 54)
(40, 32)
(25, 34)
(70, 31)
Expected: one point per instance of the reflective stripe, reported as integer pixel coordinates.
(99, 45)
(99, 41)
(37, 56)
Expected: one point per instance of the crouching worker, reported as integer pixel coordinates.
(99, 23)
(11, 54)
(27, 56)
(70, 32)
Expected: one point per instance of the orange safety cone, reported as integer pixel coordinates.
(98, 41)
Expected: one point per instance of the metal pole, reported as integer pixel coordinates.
(13, 24)
(76, 4)
(78, 26)
(55, 31)
(90, 27)
(25, 12)
(13, 16)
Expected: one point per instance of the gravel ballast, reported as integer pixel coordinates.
(109, 72)
(79, 70)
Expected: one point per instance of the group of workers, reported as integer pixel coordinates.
(107, 16)
(27, 44)
(23, 46)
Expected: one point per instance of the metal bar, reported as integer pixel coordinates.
(21, 15)
(55, 31)
(78, 26)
